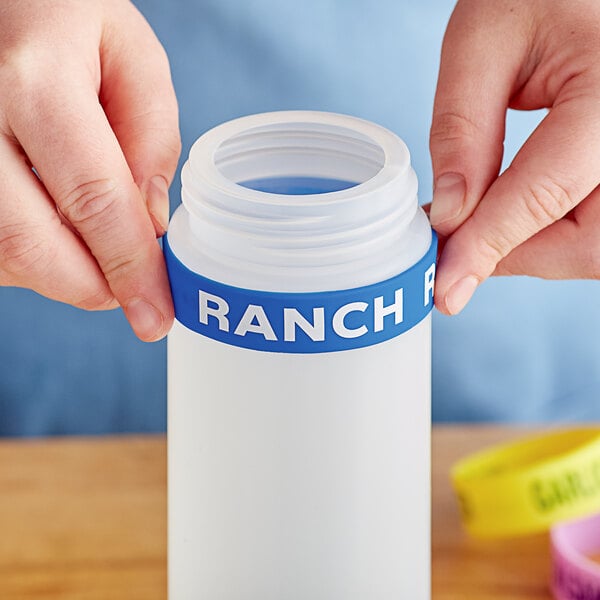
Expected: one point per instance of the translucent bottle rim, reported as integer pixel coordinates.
(389, 152)
(368, 231)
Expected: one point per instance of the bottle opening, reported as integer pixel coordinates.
(307, 199)
(298, 186)
(299, 158)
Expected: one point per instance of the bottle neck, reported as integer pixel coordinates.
(362, 232)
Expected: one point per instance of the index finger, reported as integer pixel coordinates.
(553, 172)
(65, 133)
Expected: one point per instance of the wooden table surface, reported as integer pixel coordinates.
(85, 519)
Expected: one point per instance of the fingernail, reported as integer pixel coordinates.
(146, 321)
(460, 293)
(157, 201)
(448, 198)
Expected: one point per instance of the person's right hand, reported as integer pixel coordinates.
(86, 100)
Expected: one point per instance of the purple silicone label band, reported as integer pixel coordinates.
(575, 575)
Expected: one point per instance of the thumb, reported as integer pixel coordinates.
(139, 101)
(552, 173)
(481, 57)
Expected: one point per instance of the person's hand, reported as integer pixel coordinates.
(86, 100)
(541, 217)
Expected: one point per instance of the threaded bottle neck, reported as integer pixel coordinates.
(359, 228)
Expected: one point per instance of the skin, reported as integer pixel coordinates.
(540, 217)
(80, 226)
(105, 146)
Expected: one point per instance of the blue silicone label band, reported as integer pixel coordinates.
(302, 323)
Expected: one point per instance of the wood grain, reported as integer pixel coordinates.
(470, 569)
(85, 519)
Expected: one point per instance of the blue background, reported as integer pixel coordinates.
(523, 349)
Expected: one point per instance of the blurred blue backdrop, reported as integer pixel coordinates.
(523, 350)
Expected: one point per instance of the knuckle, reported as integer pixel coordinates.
(163, 143)
(451, 126)
(173, 145)
(100, 299)
(119, 267)
(547, 201)
(22, 251)
(25, 74)
(92, 204)
(492, 249)
(155, 131)
(170, 150)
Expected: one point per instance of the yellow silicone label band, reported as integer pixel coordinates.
(528, 485)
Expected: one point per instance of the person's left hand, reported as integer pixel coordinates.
(541, 217)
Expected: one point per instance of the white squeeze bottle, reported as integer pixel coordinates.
(299, 364)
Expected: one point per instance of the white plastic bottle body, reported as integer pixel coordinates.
(298, 475)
